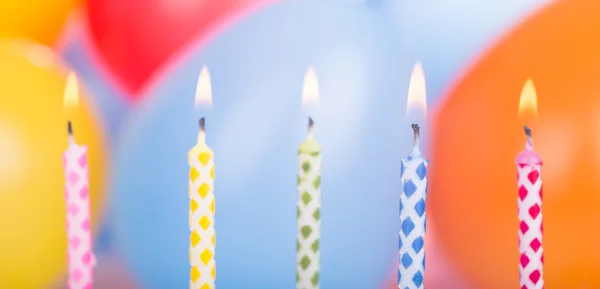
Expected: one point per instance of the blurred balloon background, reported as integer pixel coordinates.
(139, 61)
(31, 176)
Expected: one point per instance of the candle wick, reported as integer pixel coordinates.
(70, 132)
(311, 123)
(69, 128)
(202, 133)
(529, 136)
(417, 132)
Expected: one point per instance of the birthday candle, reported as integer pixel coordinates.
(308, 254)
(413, 218)
(81, 260)
(202, 214)
(529, 166)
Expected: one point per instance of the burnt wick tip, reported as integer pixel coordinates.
(202, 123)
(527, 131)
(416, 128)
(310, 123)
(69, 128)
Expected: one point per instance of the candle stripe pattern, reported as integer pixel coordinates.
(308, 254)
(530, 226)
(81, 260)
(201, 218)
(413, 220)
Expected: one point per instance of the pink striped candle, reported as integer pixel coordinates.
(80, 258)
(531, 265)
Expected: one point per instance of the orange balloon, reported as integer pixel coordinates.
(473, 189)
(40, 20)
(33, 137)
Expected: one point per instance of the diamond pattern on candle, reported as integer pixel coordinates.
(524, 260)
(421, 171)
(83, 193)
(418, 279)
(529, 201)
(534, 211)
(420, 207)
(204, 223)
(309, 220)
(406, 260)
(317, 214)
(203, 190)
(194, 274)
(417, 244)
(407, 226)
(73, 209)
(412, 223)
(86, 258)
(79, 252)
(409, 188)
(201, 214)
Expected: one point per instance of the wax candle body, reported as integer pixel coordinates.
(202, 216)
(411, 266)
(80, 258)
(308, 254)
(531, 252)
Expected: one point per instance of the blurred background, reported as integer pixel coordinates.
(138, 64)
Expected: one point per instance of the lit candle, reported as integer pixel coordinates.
(80, 258)
(202, 201)
(411, 267)
(308, 254)
(529, 183)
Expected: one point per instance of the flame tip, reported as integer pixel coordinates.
(203, 88)
(71, 92)
(417, 92)
(310, 88)
(528, 99)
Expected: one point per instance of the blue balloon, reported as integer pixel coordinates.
(257, 69)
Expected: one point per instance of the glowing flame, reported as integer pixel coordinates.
(417, 97)
(203, 89)
(528, 102)
(71, 97)
(310, 90)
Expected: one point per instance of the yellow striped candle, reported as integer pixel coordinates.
(202, 214)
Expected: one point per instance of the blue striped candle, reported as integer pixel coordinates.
(413, 219)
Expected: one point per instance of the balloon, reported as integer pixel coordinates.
(32, 139)
(478, 135)
(255, 129)
(135, 47)
(39, 20)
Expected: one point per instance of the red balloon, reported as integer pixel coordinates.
(473, 186)
(136, 37)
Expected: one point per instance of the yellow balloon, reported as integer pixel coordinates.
(40, 20)
(33, 138)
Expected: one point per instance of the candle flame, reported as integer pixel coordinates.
(71, 95)
(528, 102)
(417, 96)
(203, 89)
(310, 90)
